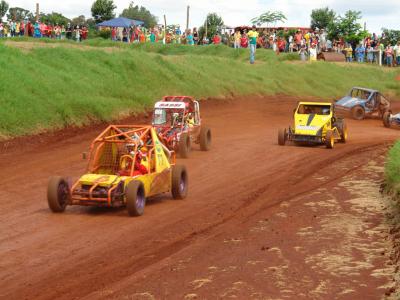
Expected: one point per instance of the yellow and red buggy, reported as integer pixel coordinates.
(127, 164)
(178, 122)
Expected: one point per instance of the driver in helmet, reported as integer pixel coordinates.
(326, 111)
(190, 120)
(139, 157)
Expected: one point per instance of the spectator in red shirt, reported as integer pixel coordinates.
(244, 41)
(114, 34)
(216, 39)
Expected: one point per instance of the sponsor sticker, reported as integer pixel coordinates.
(303, 127)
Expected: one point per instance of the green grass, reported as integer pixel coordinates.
(50, 88)
(392, 169)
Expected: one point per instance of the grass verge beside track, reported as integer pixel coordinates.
(392, 170)
(48, 88)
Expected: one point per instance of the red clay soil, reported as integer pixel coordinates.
(241, 232)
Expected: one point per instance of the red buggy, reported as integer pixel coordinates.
(178, 124)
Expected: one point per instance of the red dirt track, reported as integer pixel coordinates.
(203, 247)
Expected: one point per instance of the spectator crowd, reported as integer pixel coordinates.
(43, 30)
(309, 44)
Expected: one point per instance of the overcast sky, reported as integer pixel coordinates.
(377, 14)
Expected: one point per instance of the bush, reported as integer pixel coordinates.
(104, 33)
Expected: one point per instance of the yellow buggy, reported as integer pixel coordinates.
(127, 164)
(315, 123)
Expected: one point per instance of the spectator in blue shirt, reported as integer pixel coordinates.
(360, 53)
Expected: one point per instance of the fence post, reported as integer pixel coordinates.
(380, 57)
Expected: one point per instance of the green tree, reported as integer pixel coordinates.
(54, 18)
(140, 13)
(81, 20)
(392, 37)
(268, 18)
(19, 14)
(322, 17)
(214, 25)
(348, 27)
(3, 8)
(103, 10)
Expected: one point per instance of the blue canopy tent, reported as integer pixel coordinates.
(120, 22)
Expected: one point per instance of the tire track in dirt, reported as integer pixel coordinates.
(72, 255)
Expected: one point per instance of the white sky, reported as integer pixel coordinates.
(377, 14)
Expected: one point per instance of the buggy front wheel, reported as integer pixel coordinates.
(329, 139)
(179, 182)
(386, 119)
(282, 137)
(57, 194)
(135, 198)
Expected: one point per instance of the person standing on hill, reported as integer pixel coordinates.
(349, 53)
(69, 31)
(397, 53)
(195, 36)
(189, 38)
(237, 37)
(360, 53)
(253, 36)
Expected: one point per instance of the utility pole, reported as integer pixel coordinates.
(206, 26)
(37, 12)
(165, 30)
(187, 18)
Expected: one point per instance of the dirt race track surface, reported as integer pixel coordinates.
(261, 221)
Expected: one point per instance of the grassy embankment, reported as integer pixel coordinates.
(50, 88)
(392, 170)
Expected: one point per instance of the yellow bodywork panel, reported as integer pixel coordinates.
(313, 118)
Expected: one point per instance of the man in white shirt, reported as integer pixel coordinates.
(397, 53)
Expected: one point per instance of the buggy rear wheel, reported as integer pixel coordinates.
(358, 113)
(282, 137)
(180, 182)
(57, 194)
(343, 132)
(386, 119)
(185, 145)
(329, 139)
(135, 198)
(205, 138)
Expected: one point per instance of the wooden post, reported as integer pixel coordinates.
(206, 26)
(187, 18)
(165, 30)
(37, 12)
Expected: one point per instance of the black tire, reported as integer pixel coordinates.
(135, 198)
(343, 131)
(185, 145)
(57, 194)
(358, 113)
(282, 137)
(205, 138)
(329, 140)
(386, 119)
(180, 182)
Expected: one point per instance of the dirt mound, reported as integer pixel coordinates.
(334, 57)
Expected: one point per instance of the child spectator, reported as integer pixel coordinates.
(303, 53)
(349, 53)
(216, 39)
(370, 54)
